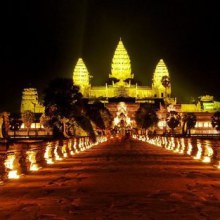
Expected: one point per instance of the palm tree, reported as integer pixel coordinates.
(189, 122)
(146, 117)
(63, 102)
(45, 121)
(150, 119)
(65, 96)
(93, 113)
(100, 115)
(139, 115)
(166, 83)
(173, 120)
(215, 120)
(86, 126)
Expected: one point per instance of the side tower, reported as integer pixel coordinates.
(161, 85)
(30, 101)
(121, 65)
(81, 77)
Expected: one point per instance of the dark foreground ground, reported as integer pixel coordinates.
(116, 180)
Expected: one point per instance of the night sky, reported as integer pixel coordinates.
(42, 40)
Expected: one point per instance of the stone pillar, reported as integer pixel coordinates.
(12, 165)
(58, 150)
(216, 156)
(3, 173)
(35, 155)
(194, 147)
(63, 148)
(70, 146)
(49, 153)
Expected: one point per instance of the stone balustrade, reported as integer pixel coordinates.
(22, 157)
(206, 151)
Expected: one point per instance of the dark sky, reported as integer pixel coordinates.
(41, 40)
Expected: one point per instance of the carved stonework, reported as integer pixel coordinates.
(30, 101)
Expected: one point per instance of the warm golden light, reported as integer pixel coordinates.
(70, 147)
(30, 101)
(158, 87)
(122, 119)
(64, 150)
(162, 124)
(199, 152)
(57, 157)
(218, 166)
(48, 154)
(121, 67)
(160, 71)
(75, 146)
(208, 154)
(177, 150)
(9, 164)
(189, 150)
(81, 76)
(32, 159)
(183, 146)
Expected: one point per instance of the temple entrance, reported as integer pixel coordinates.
(122, 123)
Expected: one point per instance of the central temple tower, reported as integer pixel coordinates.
(121, 65)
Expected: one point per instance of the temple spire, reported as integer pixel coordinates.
(81, 76)
(160, 90)
(160, 71)
(121, 66)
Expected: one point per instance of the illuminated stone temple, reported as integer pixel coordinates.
(121, 77)
(30, 101)
(123, 97)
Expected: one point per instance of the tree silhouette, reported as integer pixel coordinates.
(65, 96)
(173, 120)
(150, 119)
(93, 113)
(28, 118)
(146, 117)
(139, 116)
(215, 120)
(106, 117)
(99, 115)
(189, 122)
(86, 125)
(62, 101)
(166, 83)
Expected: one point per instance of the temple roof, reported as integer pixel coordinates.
(121, 66)
(81, 74)
(160, 71)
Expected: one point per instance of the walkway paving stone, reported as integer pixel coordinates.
(118, 179)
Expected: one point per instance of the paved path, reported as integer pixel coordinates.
(116, 180)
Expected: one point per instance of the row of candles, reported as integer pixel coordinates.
(203, 152)
(53, 152)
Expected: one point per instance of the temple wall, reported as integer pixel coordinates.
(98, 91)
(124, 91)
